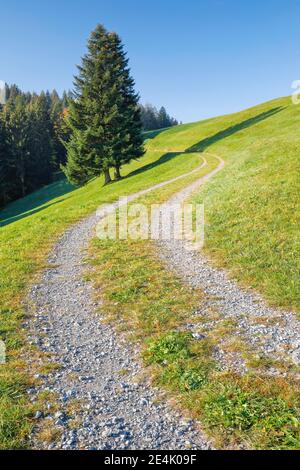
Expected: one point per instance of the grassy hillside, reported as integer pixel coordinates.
(251, 208)
(256, 409)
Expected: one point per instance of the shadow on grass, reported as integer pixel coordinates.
(32, 203)
(10, 220)
(160, 161)
(203, 144)
(151, 134)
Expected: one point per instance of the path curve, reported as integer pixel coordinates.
(267, 331)
(117, 413)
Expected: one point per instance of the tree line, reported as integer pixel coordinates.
(156, 119)
(31, 149)
(91, 131)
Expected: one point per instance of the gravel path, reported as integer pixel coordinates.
(116, 408)
(115, 411)
(270, 332)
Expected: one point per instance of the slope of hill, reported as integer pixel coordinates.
(251, 207)
(232, 379)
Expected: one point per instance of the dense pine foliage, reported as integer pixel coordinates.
(153, 119)
(104, 117)
(31, 152)
(95, 129)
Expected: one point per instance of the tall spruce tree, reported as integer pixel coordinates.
(16, 122)
(40, 142)
(126, 127)
(5, 179)
(104, 116)
(163, 118)
(56, 110)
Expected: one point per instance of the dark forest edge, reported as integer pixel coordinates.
(31, 150)
(153, 119)
(32, 134)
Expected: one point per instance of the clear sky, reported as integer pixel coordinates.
(199, 58)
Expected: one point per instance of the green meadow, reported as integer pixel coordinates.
(252, 210)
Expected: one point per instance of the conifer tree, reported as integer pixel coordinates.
(40, 142)
(126, 127)
(103, 117)
(153, 119)
(17, 133)
(57, 108)
(31, 128)
(5, 179)
(149, 117)
(163, 118)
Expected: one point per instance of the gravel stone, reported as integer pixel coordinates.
(67, 325)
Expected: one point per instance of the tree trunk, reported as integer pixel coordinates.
(117, 173)
(107, 176)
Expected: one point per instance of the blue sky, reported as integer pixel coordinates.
(199, 58)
